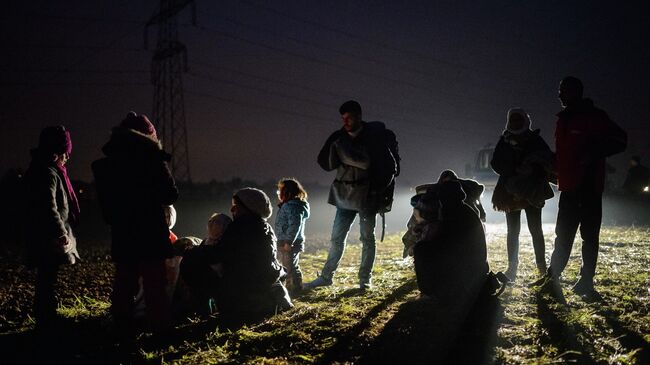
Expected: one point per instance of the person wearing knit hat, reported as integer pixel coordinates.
(517, 121)
(51, 210)
(523, 161)
(134, 184)
(139, 123)
(254, 200)
(249, 285)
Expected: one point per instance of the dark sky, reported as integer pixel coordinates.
(266, 77)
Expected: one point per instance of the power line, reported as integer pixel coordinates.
(339, 66)
(355, 36)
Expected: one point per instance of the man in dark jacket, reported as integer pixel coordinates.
(366, 159)
(584, 137)
(134, 185)
(51, 209)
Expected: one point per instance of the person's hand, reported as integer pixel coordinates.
(284, 246)
(61, 241)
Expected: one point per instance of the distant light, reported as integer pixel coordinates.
(81, 191)
(646, 189)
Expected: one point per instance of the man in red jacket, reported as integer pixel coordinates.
(584, 137)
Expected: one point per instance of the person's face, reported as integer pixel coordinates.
(351, 122)
(62, 159)
(281, 195)
(516, 121)
(568, 94)
(215, 230)
(236, 210)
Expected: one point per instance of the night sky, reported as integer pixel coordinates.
(266, 78)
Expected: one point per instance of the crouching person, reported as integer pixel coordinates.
(451, 255)
(249, 287)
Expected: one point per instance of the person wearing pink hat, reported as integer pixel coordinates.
(134, 187)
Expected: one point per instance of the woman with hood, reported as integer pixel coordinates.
(135, 187)
(523, 161)
(52, 208)
(290, 229)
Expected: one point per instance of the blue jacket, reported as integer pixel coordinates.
(290, 222)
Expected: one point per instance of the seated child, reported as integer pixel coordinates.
(199, 279)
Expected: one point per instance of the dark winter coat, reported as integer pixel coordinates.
(584, 137)
(46, 214)
(524, 164)
(247, 252)
(133, 185)
(365, 166)
(452, 263)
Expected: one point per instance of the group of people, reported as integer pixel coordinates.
(244, 267)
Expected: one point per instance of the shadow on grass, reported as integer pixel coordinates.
(551, 307)
(424, 332)
(629, 339)
(90, 341)
(344, 348)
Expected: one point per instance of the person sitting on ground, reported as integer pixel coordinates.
(451, 259)
(473, 191)
(290, 229)
(199, 279)
(249, 285)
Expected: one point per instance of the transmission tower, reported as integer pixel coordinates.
(167, 66)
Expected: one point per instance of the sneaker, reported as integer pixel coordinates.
(319, 281)
(365, 285)
(583, 287)
(542, 282)
(541, 268)
(511, 273)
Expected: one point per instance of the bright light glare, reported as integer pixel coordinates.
(646, 189)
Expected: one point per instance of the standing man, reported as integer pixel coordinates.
(366, 160)
(584, 137)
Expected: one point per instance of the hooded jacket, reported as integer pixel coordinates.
(290, 222)
(365, 167)
(582, 137)
(524, 163)
(134, 185)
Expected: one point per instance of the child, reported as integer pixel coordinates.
(199, 279)
(290, 229)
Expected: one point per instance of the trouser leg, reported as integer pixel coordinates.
(367, 222)
(534, 219)
(513, 222)
(45, 302)
(591, 216)
(125, 287)
(158, 303)
(565, 231)
(342, 223)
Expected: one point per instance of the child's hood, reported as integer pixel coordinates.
(299, 206)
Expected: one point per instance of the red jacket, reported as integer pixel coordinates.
(581, 136)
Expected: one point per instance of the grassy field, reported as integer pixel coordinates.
(340, 324)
